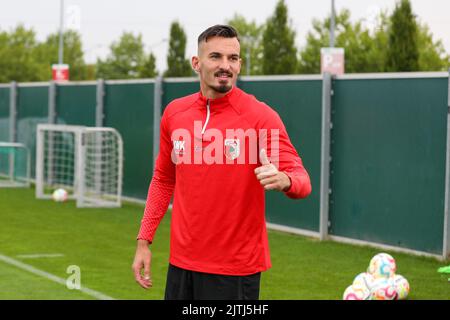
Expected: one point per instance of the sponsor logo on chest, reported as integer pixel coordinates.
(179, 146)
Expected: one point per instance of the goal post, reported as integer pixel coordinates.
(86, 161)
(14, 165)
(101, 165)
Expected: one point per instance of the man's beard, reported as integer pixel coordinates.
(222, 88)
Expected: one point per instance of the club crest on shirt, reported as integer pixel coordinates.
(232, 148)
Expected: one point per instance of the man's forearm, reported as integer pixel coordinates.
(158, 199)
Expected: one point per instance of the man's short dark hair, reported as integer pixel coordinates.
(219, 30)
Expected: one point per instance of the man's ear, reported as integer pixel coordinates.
(195, 62)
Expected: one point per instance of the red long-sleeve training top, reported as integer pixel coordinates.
(208, 153)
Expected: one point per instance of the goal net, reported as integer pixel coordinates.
(14, 165)
(85, 161)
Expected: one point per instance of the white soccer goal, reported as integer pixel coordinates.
(14, 165)
(86, 161)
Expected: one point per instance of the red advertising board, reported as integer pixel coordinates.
(60, 72)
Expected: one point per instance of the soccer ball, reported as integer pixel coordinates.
(384, 289)
(59, 195)
(364, 279)
(356, 292)
(401, 286)
(382, 265)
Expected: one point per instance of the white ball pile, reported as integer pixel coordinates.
(379, 282)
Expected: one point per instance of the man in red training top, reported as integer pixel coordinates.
(220, 149)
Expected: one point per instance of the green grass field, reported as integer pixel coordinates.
(102, 243)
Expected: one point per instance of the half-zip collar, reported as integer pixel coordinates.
(215, 105)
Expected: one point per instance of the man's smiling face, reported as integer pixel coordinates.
(218, 64)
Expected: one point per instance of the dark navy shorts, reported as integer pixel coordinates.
(191, 285)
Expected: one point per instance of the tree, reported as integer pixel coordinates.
(177, 64)
(16, 55)
(47, 53)
(126, 59)
(22, 58)
(376, 57)
(280, 53)
(90, 71)
(432, 55)
(364, 49)
(148, 69)
(403, 51)
(250, 37)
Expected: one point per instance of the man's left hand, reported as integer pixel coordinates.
(269, 176)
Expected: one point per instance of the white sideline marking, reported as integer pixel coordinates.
(40, 255)
(49, 276)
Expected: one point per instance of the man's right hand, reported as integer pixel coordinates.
(142, 262)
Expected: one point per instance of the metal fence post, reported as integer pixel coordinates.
(157, 106)
(325, 157)
(446, 237)
(99, 120)
(52, 102)
(52, 120)
(12, 125)
(13, 112)
(99, 111)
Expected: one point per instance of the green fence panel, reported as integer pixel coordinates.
(4, 127)
(175, 90)
(32, 109)
(4, 114)
(76, 104)
(388, 147)
(128, 108)
(299, 104)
